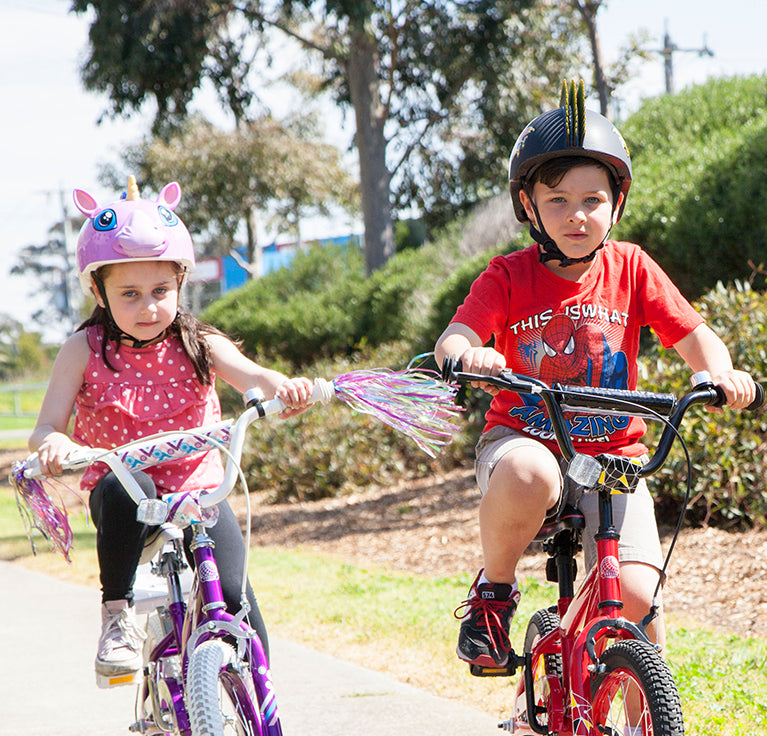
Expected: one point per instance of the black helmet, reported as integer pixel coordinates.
(570, 130)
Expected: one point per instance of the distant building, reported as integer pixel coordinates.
(213, 277)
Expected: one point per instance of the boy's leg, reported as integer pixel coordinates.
(523, 486)
(519, 480)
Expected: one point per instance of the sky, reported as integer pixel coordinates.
(52, 142)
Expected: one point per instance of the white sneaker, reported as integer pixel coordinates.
(120, 644)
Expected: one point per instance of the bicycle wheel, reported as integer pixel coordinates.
(221, 700)
(636, 690)
(541, 624)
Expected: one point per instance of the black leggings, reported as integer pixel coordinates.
(120, 541)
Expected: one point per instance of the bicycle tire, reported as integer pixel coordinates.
(542, 623)
(220, 701)
(635, 671)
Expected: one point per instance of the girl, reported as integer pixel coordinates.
(140, 365)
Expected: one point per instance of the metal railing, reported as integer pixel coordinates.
(16, 390)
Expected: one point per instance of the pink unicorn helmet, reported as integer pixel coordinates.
(131, 229)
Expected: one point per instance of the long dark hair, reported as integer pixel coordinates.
(190, 331)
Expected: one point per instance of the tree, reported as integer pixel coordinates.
(433, 84)
(229, 177)
(52, 269)
(607, 80)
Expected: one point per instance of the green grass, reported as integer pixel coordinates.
(403, 625)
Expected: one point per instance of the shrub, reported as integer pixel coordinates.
(728, 450)
(299, 314)
(697, 161)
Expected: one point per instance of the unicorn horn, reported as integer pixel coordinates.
(133, 193)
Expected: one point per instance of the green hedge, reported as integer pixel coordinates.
(698, 161)
(728, 449)
(323, 306)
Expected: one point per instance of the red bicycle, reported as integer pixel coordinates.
(586, 670)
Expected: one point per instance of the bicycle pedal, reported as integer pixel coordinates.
(124, 678)
(508, 671)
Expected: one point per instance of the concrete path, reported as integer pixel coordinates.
(48, 632)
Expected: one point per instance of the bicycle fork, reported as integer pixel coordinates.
(218, 622)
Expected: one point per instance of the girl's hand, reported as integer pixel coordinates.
(486, 361)
(53, 451)
(295, 393)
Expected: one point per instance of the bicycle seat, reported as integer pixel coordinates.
(157, 539)
(569, 518)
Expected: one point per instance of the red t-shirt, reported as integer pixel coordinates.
(583, 333)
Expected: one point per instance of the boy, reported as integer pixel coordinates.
(568, 308)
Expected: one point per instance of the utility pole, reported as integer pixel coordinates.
(668, 51)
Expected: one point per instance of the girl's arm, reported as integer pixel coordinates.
(242, 373)
(49, 437)
(702, 350)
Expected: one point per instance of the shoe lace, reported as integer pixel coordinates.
(488, 613)
(120, 628)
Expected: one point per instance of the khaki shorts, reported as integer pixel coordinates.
(634, 513)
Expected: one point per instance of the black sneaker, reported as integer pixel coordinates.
(485, 616)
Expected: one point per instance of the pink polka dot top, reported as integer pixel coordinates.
(154, 389)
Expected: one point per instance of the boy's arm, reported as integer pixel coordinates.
(462, 342)
(702, 350)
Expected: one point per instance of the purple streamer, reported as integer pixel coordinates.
(40, 512)
(416, 403)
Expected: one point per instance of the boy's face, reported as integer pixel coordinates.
(577, 212)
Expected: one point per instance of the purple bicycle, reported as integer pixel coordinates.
(205, 670)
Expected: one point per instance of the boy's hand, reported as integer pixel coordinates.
(295, 393)
(486, 361)
(738, 387)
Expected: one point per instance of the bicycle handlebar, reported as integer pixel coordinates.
(560, 398)
(149, 451)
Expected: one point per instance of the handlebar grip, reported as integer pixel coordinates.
(78, 458)
(450, 366)
(758, 402)
(322, 392)
(614, 399)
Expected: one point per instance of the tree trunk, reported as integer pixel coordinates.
(370, 116)
(588, 11)
(254, 257)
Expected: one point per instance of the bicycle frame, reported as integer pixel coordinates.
(589, 620)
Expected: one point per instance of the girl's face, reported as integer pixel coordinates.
(143, 297)
(577, 212)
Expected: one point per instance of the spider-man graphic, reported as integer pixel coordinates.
(579, 356)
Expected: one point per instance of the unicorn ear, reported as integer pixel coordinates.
(85, 202)
(170, 195)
